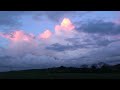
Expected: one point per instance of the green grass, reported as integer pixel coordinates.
(55, 75)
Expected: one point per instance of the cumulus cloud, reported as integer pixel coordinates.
(10, 20)
(46, 34)
(66, 24)
(66, 45)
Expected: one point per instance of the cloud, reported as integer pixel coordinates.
(57, 16)
(104, 54)
(53, 15)
(46, 34)
(10, 19)
(18, 36)
(66, 25)
(59, 47)
(100, 27)
(66, 45)
(78, 43)
(28, 61)
(20, 43)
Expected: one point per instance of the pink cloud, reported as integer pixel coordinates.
(4, 35)
(22, 43)
(20, 38)
(66, 25)
(45, 35)
(17, 36)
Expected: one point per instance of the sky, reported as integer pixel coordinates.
(44, 39)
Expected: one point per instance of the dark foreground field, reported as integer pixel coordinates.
(56, 75)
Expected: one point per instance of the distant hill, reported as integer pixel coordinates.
(99, 68)
(99, 71)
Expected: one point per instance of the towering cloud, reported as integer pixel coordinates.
(65, 45)
(45, 35)
(17, 36)
(66, 25)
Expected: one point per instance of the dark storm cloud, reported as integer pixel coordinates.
(100, 27)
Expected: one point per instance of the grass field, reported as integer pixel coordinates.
(51, 75)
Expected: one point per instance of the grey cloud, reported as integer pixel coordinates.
(92, 40)
(53, 15)
(106, 54)
(77, 44)
(10, 19)
(100, 27)
(30, 61)
(59, 47)
(109, 55)
(57, 15)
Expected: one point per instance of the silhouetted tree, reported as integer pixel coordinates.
(62, 67)
(93, 67)
(84, 66)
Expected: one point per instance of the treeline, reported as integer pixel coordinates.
(95, 68)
